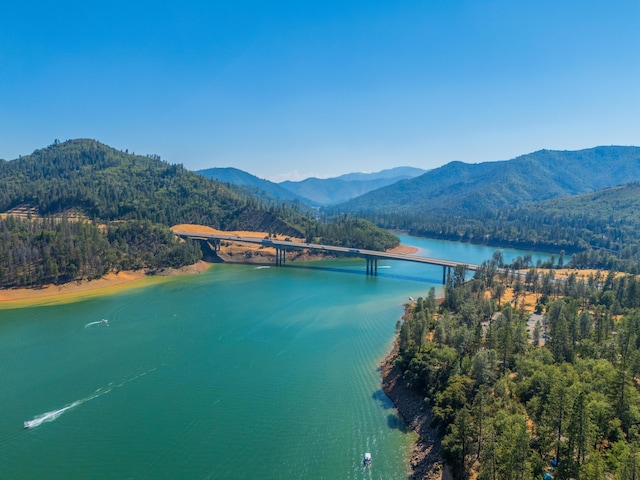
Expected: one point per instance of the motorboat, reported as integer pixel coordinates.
(33, 423)
(367, 460)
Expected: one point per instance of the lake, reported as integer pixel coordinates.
(240, 372)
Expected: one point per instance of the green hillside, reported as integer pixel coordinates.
(458, 188)
(107, 184)
(93, 209)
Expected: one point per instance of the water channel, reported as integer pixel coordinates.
(240, 372)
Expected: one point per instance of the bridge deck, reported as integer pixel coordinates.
(285, 245)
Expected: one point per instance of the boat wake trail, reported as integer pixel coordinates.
(51, 416)
(54, 414)
(99, 322)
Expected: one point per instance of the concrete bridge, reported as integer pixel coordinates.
(281, 247)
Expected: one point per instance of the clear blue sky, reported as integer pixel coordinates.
(289, 89)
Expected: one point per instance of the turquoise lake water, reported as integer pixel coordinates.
(241, 372)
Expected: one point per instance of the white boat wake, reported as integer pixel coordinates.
(104, 321)
(54, 414)
(51, 416)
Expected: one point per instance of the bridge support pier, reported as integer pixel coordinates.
(215, 246)
(281, 256)
(372, 265)
(446, 271)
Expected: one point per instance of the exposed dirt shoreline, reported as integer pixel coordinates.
(73, 291)
(426, 459)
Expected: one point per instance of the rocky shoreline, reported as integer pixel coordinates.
(426, 458)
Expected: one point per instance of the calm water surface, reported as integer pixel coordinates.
(236, 373)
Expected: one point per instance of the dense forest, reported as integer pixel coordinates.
(51, 250)
(516, 401)
(599, 229)
(92, 209)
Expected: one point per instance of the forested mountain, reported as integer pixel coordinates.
(93, 209)
(107, 184)
(266, 190)
(458, 188)
(329, 191)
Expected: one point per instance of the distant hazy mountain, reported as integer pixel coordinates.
(389, 174)
(339, 189)
(263, 188)
(458, 188)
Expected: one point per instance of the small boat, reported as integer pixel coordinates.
(34, 423)
(367, 460)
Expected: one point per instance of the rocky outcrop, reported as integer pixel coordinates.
(426, 459)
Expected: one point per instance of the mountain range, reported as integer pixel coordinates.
(314, 192)
(456, 188)
(459, 188)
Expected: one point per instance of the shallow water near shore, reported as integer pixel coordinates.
(239, 372)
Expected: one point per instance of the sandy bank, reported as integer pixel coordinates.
(403, 250)
(73, 291)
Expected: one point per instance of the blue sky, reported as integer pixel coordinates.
(290, 89)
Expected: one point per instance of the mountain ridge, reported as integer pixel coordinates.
(328, 191)
(459, 188)
(266, 190)
(312, 191)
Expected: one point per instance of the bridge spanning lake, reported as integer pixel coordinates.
(282, 246)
